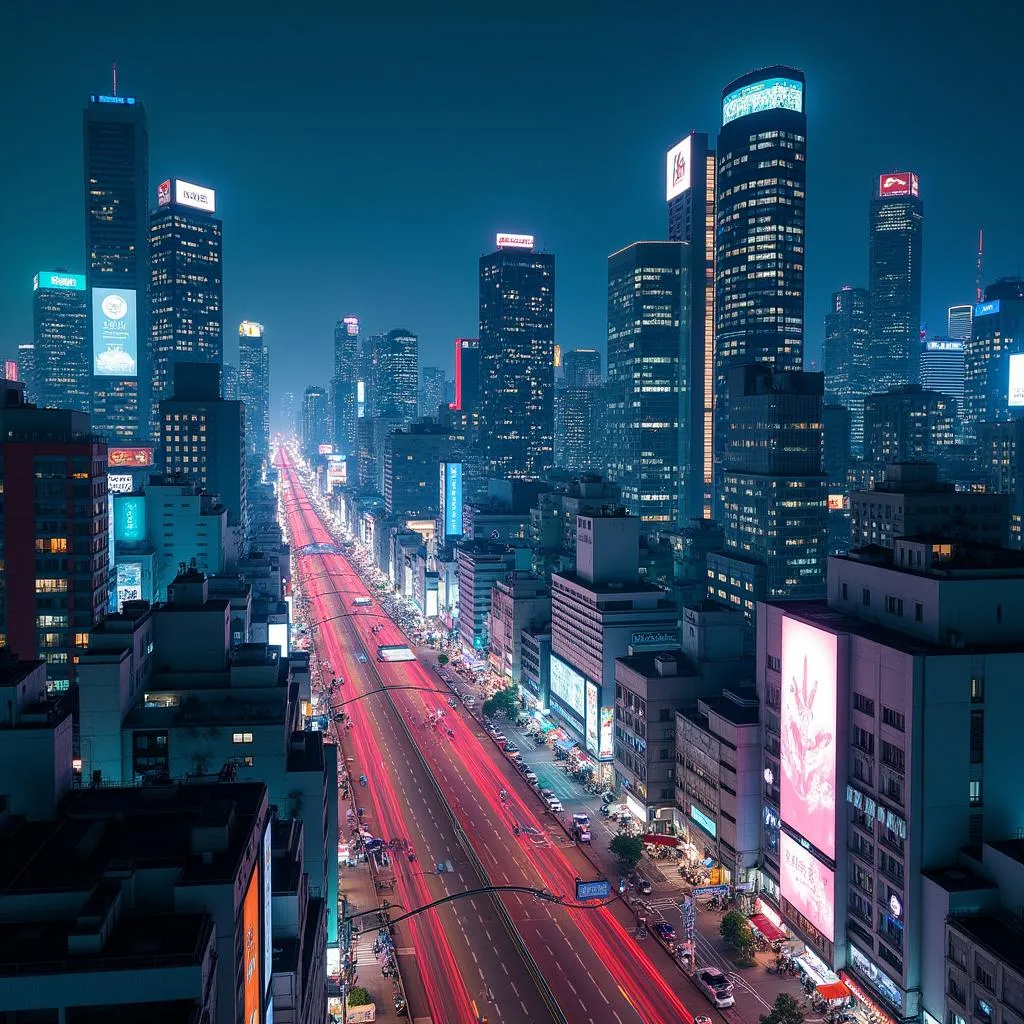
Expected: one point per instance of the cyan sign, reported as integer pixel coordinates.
(771, 94)
(453, 499)
(985, 308)
(115, 343)
(129, 518)
(599, 890)
(708, 824)
(59, 279)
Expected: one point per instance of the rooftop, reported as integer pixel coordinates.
(740, 708)
(1001, 939)
(958, 879)
(625, 589)
(943, 557)
(1012, 848)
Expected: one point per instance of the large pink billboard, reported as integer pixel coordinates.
(808, 742)
(808, 885)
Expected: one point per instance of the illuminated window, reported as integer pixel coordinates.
(52, 545)
(241, 737)
(81, 640)
(51, 586)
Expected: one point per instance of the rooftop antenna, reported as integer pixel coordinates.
(115, 79)
(977, 283)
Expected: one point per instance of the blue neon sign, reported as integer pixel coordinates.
(985, 308)
(453, 499)
(708, 824)
(599, 890)
(129, 518)
(121, 100)
(58, 279)
(771, 94)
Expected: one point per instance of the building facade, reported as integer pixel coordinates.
(847, 338)
(345, 386)
(581, 368)
(997, 335)
(909, 424)
(315, 426)
(62, 378)
(254, 393)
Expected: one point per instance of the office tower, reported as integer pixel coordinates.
(958, 322)
(288, 422)
(314, 430)
(579, 428)
(581, 368)
(647, 433)
(992, 365)
(117, 270)
(835, 445)
(847, 337)
(894, 280)
(229, 382)
(759, 261)
(690, 175)
(54, 531)
(393, 388)
(203, 440)
(345, 386)
(254, 393)
(412, 457)
(517, 355)
(27, 372)
(187, 283)
(942, 368)
(432, 391)
(62, 367)
(467, 375)
(908, 424)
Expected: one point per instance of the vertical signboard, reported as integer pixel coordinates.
(607, 733)
(808, 885)
(268, 893)
(251, 949)
(453, 499)
(129, 583)
(129, 517)
(115, 343)
(592, 710)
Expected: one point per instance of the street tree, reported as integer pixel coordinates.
(736, 930)
(358, 996)
(785, 1011)
(503, 701)
(628, 850)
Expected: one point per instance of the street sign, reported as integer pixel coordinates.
(710, 890)
(598, 890)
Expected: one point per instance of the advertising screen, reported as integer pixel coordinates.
(507, 241)
(120, 483)
(250, 329)
(808, 741)
(567, 685)
(453, 499)
(771, 94)
(677, 169)
(129, 517)
(591, 718)
(899, 183)
(351, 325)
(277, 636)
(196, 196)
(808, 885)
(986, 308)
(129, 582)
(136, 457)
(326, 449)
(115, 343)
(337, 471)
(163, 193)
(251, 949)
(705, 821)
(1016, 390)
(607, 733)
(59, 279)
(836, 502)
(268, 894)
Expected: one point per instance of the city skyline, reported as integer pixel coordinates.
(362, 238)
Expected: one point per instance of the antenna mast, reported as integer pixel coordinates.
(977, 283)
(115, 79)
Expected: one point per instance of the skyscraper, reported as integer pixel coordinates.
(894, 280)
(394, 375)
(432, 390)
(116, 144)
(345, 385)
(62, 367)
(847, 336)
(581, 368)
(997, 337)
(254, 392)
(467, 375)
(187, 282)
(27, 372)
(315, 430)
(229, 382)
(648, 285)
(579, 433)
(958, 322)
(288, 422)
(517, 358)
(759, 269)
(942, 368)
(690, 175)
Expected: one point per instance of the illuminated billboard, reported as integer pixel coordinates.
(135, 457)
(677, 169)
(808, 741)
(351, 325)
(253, 976)
(770, 94)
(129, 517)
(120, 483)
(115, 343)
(326, 449)
(277, 636)
(250, 329)
(129, 582)
(163, 193)
(567, 685)
(899, 183)
(986, 308)
(337, 472)
(197, 196)
(268, 895)
(836, 502)
(60, 279)
(1015, 398)
(807, 884)
(506, 241)
(592, 710)
(452, 498)
(607, 733)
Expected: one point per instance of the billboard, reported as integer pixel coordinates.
(58, 279)
(10, 369)
(129, 517)
(986, 308)
(252, 974)
(163, 193)
(326, 449)
(1015, 398)
(268, 895)
(129, 582)
(337, 472)
(507, 241)
(250, 329)
(808, 741)
(351, 325)
(120, 483)
(899, 183)
(807, 884)
(115, 343)
(135, 457)
(394, 652)
(770, 94)
(607, 733)
(277, 636)
(591, 718)
(836, 502)
(567, 685)
(452, 498)
(197, 196)
(677, 169)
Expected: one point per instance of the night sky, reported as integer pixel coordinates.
(364, 155)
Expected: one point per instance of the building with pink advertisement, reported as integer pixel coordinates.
(889, 741)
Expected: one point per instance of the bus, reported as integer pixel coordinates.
(361, 602)
(394, 652)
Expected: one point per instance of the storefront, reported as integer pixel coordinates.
(880, 995)
(812, 967)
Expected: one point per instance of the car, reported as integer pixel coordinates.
(553, 803)
(665, 931)
(361, 657)
(511, 748)
(545, 793)
(642, 885)
(515, 755)
(701, 1018)
(530, 775)
(716, 986)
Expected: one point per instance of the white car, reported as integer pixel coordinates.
(554, 804)
(716, 986)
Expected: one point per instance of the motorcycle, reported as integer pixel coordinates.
(363, 781)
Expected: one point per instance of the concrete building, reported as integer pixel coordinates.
(911, 501)
(909, 424)
(411, 459)
(480, 565)
(535, 669)
(520, 602)
(554, 515)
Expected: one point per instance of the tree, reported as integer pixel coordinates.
(442, 659)
(504, 701)
(358, 996)
(628, 850)
(736, 930)
(785, 1011)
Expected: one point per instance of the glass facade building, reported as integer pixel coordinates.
(62, 366)
(847, 338)
(581, 368)
(254, 391)
(345, 385)
(394, 375)
(315, 428)
(997, 334)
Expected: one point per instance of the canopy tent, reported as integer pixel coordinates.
(833, 990)
(766, 928)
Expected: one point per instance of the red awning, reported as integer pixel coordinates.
(834, 990)
(656, 840)
(766, 928)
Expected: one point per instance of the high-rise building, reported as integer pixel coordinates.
(27, 372)
(894, 280)
(581, 368)
(517, 358)
(690, 176)
(847, 337)
(54, 533)
(579, 428)
(116, 144)
(394, 375)
(942, 368)
(229, 382)
(958, 322)
(412, 457)
(345, 386)
(254, 392)
(62, 367)
(431, 390)
(760, 258)
(467, 375)
(288, 422)
(908, 424)
(315, 427)
(648, 283)
(187, 282)
(994, 349)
